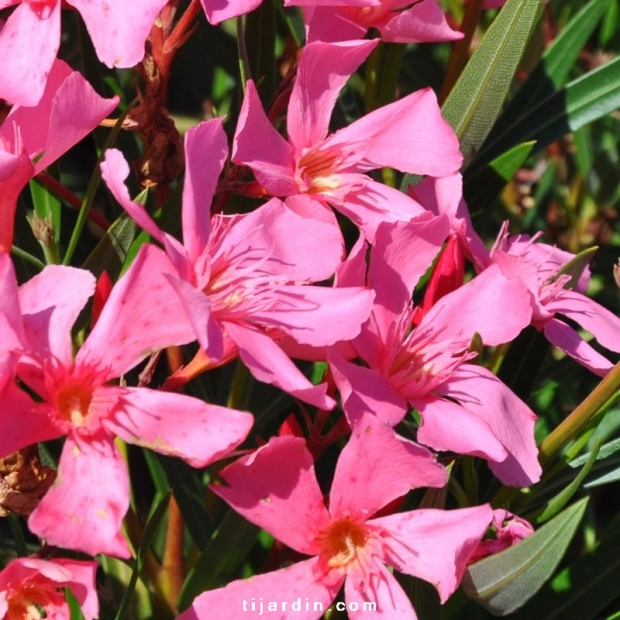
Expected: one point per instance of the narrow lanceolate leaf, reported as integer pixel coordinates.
(554, 67)
(580, 102)
(507, 580)
(220, 558)
(476, 100)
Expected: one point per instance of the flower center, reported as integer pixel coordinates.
(29, 603)
(317, 168)
(341, 542)
(73, 403)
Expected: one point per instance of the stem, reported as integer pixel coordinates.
(172, 561)
(181, 31)
(29, 258)
(244, 61)
(70, 198)
(372, 78)
(577, 421)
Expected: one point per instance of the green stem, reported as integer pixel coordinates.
(244, 61)
(577, 421)
(372, 78)
(33, 260)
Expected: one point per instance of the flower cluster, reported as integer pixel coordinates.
(402, 336)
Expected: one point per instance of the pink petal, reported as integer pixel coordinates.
(401, 255)
(323, 70)
(85, 507)
(82, 584)
(383, 591)
(206, 150)
(565, 338)
(114, 171)
(27, 423)
(497, 308)
(447, 426)
(242, 599)
(275, 488)
(68, 111)
(177, 425)
(330, 24)
(318, 316)
(9, 301)
(142, 314)
(220, 10)
(29, 42)
(424, 22)
(603, 324)
(51, 302)
(365, 480)
(409, 135)
(268, 363)
(364, 389)
(257, 144)
(288, 239)
(15, 172)
(445, 195)
(118, 28)
(434, 545)
(375, 203)
(511, 421)
(198, 310)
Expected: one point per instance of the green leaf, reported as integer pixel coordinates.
(111, 251)
(607, 467)
(220, 558)
(555, 64)
(476, 100)
(576, 266)
(582, 101)
(483, 187)
(507, 580)
(555, 504)
(75, 611)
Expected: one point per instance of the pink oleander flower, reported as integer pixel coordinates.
(32, 138)
(31, 588)
(507, 530)
(243, 277)
(276, 488)
(409, 135)
(85, 507)
(398, 21)
(30, 39)
(463, 407)
(553, 296)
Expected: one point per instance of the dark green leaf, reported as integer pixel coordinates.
(220, 558)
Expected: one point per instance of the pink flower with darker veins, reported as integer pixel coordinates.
(84, 508)
(30, 38)
(32, 138)
(243, 277)
(398, 21)
(276, 488)
(463, 407)
(409, 135)
(554, 297)
(31, 589)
